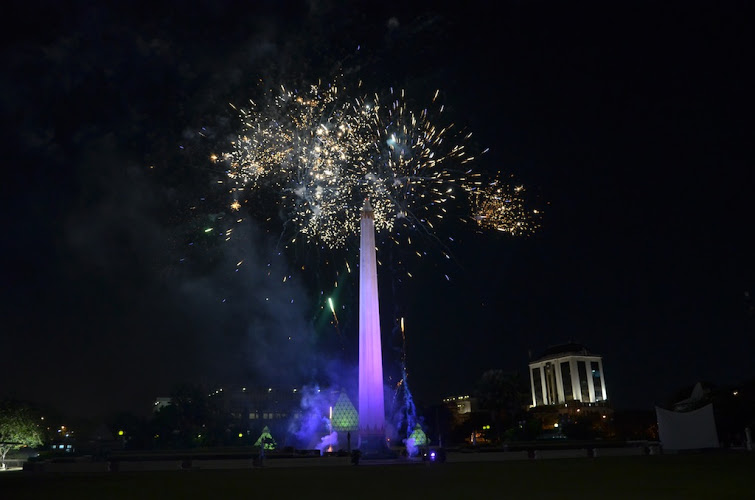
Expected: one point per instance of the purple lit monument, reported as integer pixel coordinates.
(371, 403)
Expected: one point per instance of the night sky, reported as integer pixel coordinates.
(629, 123)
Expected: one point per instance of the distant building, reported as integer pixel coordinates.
(461, 405)
(263, 404)
(568, 373)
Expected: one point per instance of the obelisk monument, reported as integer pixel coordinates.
(371, 400)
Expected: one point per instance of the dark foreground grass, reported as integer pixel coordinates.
(708, 476)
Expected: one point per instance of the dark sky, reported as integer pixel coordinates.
(630, 123)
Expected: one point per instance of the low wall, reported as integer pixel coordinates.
(66, 467)
(493, 456)
(543, 454)
(307, 462)
(14, 463)
(154, 461)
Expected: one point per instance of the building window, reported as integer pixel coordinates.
(566, 381)
(584, 385)
(550, 383)
(596, 381)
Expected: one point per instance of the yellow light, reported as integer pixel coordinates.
(241, 435)
(120, 433)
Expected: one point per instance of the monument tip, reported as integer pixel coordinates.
(367, 207)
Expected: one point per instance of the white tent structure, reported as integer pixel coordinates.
(691, 430)
(695, 399)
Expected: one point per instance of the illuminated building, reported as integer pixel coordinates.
(371, 399)
(566, 374)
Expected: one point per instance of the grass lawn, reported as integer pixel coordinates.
(708, 476)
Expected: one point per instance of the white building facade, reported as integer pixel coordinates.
(567, 373)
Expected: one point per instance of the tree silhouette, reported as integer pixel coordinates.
(504, 395)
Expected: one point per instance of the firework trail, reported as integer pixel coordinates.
(335, 316)
(410, 410)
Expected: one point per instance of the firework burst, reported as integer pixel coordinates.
(323, 152)
(299, 145)
(305, 159)
(501, 207)
(414, 167)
